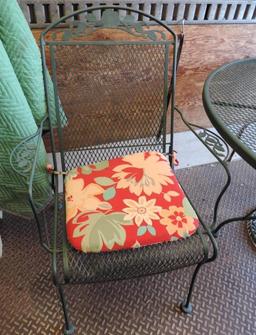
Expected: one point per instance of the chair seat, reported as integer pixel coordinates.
(126, 202)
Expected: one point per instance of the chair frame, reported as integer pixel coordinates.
(210, 140)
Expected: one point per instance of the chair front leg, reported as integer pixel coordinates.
(186, 305)
(69, 329)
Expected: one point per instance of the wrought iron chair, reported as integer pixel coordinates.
(122, 213)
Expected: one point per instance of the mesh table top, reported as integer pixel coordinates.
(229, 98)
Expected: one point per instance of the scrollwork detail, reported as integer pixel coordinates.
(110, 19)
(22, 158)
(214, 143)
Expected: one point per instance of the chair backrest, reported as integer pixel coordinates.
(111, 77)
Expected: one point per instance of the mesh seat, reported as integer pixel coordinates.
(125, 264)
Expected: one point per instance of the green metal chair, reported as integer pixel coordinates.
(118, 210)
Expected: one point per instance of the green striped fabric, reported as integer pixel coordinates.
(25, 57)
(17, 123)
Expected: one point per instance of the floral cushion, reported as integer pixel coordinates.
(126, 202)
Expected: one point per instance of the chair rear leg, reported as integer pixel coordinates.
(69, 329)
(186, 306)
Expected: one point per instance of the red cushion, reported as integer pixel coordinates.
(126, 202)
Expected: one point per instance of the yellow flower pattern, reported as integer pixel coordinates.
(83, 198)
(142, 173)
(126, 202)
(142, 210)
(176, 221)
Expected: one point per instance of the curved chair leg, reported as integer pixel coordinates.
(69, 328)
(186, 306)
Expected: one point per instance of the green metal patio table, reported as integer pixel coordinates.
(229, 98)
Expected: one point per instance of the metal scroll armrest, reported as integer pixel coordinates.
(219, 149)
(213, 142)
(24, 161)
(24, 156)
(33, 170)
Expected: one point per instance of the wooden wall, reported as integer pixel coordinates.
(206, 47)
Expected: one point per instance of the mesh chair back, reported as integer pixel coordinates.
(111, 78)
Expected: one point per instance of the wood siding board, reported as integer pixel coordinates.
(68, 10)
(25, 10)
(54, 11)
(169, 13)
(81, 5)
(241, 11)
(97, 13)
(222, 12)
(250, 12)
(212, 6)
(191, 12)
(232, 12)
(212, 12)
(159, 9)
(135, 6)
(181, 11)
(202, 11)
(122, 13)
(146, 9)
(39, 13)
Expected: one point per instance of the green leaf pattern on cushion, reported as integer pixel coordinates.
(188, 209)
(142, 230)
(104, 181)
(86, 169)
(101, 165)
(151, 230)
(109, 193)
(101, 229)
